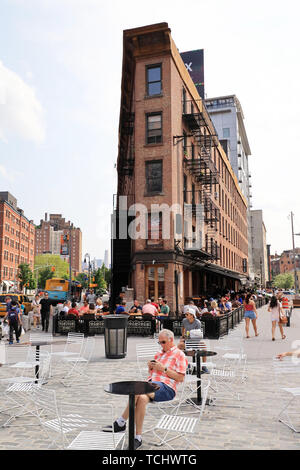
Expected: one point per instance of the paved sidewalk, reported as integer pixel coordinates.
(253, 426)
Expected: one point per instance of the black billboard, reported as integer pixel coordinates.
(194, 62)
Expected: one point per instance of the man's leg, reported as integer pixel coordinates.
(47, 321)
(43, 321)
(11, 332)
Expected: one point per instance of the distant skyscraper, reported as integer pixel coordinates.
(106, 262)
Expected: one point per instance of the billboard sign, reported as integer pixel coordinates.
(194, 62)
(64, 245)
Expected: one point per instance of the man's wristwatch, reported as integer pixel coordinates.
(165, 369)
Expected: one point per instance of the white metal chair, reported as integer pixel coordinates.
(73, 368)
(19, 391)
(144, 353)
(172, 427)
(200, 345)
(291, 410)
(73, 346)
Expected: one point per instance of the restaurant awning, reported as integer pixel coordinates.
(223, 272)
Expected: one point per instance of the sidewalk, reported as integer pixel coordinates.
(254, 426)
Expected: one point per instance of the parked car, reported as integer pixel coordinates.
(19, 298)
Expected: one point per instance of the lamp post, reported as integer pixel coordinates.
(294, 254)
(89, 266)
(295, 267)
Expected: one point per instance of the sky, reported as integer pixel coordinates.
(60, 84)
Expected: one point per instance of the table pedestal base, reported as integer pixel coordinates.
(195, 401)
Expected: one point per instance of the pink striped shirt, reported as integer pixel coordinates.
(175, 360)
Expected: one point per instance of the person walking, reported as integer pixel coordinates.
(36, 311)
(276, 311)
(14, 321)
(250, 314)
(46, 306)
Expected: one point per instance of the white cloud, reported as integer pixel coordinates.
(21, 113)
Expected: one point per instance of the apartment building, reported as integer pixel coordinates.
(170, 157)
(17, 241)
(48, 239)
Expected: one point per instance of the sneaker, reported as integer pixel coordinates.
(205, 370)
(18, 340)
(11, 342)
(137, 444)
(117, 428)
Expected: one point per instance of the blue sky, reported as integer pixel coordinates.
(60, 77)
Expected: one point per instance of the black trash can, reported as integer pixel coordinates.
(115, 334)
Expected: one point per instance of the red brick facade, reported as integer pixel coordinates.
(17, 238)
(168, 269)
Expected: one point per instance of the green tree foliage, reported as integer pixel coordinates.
(43, 276)
(48, 260)
(25, 276)
(284, 281)
(99, 279)
(81, 278)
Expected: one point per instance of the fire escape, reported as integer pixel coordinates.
(199, 163)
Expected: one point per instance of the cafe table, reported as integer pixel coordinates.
(197, 353)
(37, 345)
(131, 388)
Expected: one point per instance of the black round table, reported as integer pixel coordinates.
(198, 354)
(131, 388)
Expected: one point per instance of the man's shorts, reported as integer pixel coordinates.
(165, 393)
(250, 314)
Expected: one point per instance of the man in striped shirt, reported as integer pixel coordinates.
(167, 370)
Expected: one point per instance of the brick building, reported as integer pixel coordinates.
(287, 260)
(17, 239)
(170, 154)
(48, 239)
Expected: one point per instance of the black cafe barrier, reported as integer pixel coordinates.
(213, 328)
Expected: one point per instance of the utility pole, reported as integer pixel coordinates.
(294, 254)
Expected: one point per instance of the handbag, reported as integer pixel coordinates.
(283, 319)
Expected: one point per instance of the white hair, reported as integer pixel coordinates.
(168, 333)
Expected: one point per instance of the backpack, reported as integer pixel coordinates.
(13, 314)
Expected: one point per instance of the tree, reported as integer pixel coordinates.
(25, 276)
(284, 281)
(44, 275)
(99, 279)
(48, 260)
(83, 279)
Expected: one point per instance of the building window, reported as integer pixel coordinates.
(154, 128)
(184, 188)
(155, 281)
(154, 83)
(154, 229)
(226, 132)
(154, 176)
(183, 100)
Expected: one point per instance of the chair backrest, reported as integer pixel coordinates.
(75, 342)
(196, 344)
(14, 354)
(45, 399)
(144, 353)
(88, 348)
(41, 336)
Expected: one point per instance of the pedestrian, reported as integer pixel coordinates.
(36, 311)
(250, 314)
(91, 297)
(14, 321)
(276, 311)
(46, 308)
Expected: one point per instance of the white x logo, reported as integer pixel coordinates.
(189, 66)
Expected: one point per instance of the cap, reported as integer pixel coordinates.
(190, 311)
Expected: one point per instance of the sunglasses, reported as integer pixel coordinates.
(161, 342)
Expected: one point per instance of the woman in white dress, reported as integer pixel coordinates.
(276, 312)
(36, 311)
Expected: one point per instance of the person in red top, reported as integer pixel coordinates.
(73, 310)
(155, 304)
(167, 370)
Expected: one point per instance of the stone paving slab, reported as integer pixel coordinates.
(252, 426)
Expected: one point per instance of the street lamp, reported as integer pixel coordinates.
(294, 254)
(89, 267)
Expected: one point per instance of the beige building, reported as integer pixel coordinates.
(259, 244)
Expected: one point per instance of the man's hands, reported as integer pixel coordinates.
(281, 356)
(157, 366)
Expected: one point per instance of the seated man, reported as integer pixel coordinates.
(191, 323)
(167, 370)
(136, 309)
